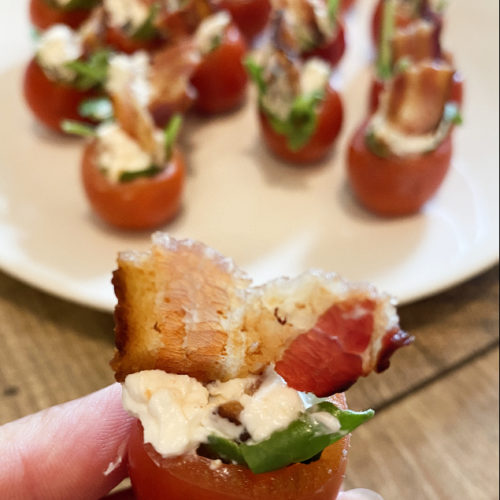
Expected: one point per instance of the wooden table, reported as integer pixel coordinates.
(436, 432)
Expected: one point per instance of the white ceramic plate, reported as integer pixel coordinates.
(273, 219)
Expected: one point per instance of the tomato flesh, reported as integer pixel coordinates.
(43, 15)
(395, 186)
(194, 477)
(329, 123)
(251, 16)
(221, 79)
(50, 101)
(143, 203)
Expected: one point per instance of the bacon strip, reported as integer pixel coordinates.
(416, 97)
(418, 41)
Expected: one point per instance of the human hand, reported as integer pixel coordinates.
(76, 450)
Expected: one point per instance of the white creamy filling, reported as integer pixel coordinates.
(314, 76)
(211, 31)
(178, 412)
(130, 72)
(402, 144)
(126, 14)
(58, 46)
(118, 153)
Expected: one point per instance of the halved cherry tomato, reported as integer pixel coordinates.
(378, 85)
(142, 203)
(118, 39)
(221, 78)
(330, 117)
(43, 15)
(332, 51)
(395, 186)
(198, 478)
(251, 16)
(50, 101)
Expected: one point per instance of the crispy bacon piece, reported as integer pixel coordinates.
(184, 308)
(418, 41)
(171, 72)
(416, 97)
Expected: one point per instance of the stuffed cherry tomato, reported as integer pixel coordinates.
(133, 27)
(58, 79)
(330, 50)
(200, 478)
(133, 201)
(319, 144)
(251, 16)
(220, 79)
(299, 111)
(46, 13)
(394, 185)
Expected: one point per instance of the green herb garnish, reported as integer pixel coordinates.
(147, 172)
(148, 30)
(384, 58)
(452, 113)
(98, 109)
(171, 133)
(91, 72)
(77, 128)
(303, 440)
(301, 122)
(256, 73)
(377, 147)
(333, 8)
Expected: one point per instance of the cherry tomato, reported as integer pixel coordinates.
(378, 85)
(52, 102)
(332, 51)
(221, 78)
(330, 116)
(43, 15)
(251, 16)
(194, 477)
(395, 186)
(118, 39)
(143, 203)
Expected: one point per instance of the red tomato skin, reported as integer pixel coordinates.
(191, 477)
(378, 85)
(395, 186)
(51, 102)
(43, 16)
(143, 203)
(346, 5)
(251, 16)
(221, 79)
(120, 41)
(330, 117)
(332, 51)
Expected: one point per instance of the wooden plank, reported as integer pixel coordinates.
(439, 443)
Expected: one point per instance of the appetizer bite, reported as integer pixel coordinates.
(220, 79)
(300, 113)
(132, 172)
(251, 16)
(314, 28)
(399, 157)
(62, 75)
(236, 388)
(47, 13)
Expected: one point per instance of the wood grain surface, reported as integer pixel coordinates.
(436, 432)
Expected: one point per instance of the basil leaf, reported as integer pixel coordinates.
(132, 176)
(98, 109)
(92, 72)
(452, 113)
(148, 30)
(377, 147)
(255, 71)
(303, 439)
(171, 133)
(77, 128)
(225, 449)
(301, 122)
